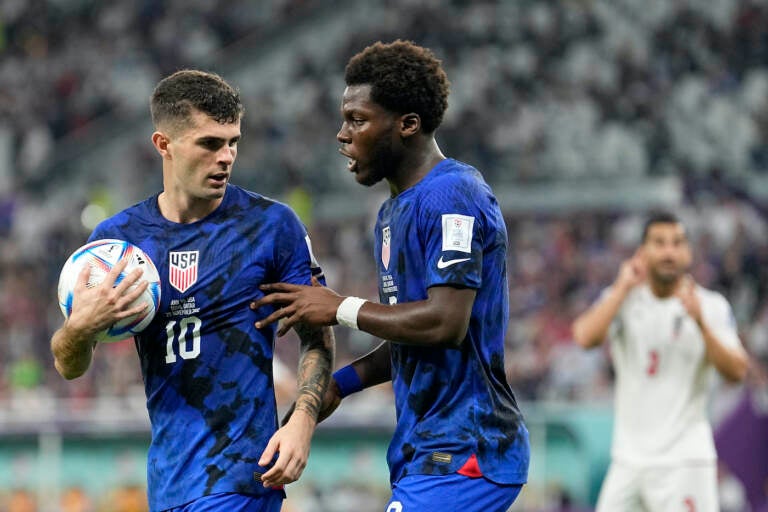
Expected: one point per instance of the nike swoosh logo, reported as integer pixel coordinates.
(443, 264)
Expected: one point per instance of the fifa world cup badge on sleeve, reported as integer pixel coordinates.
(457, 232)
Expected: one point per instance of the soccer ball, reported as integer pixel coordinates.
(102, 255)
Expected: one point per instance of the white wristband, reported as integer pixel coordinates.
(346, 314)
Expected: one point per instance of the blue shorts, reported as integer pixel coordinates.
(232, 502)
(417, 493)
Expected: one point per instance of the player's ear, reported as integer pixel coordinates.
(161, 141)
(409, 124)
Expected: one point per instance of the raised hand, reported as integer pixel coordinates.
(631, 273)
(686, 292)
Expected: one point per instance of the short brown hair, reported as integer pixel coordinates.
(175, 97)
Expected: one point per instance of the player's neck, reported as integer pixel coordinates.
(663, 290)
(185, 209)
(414, 167)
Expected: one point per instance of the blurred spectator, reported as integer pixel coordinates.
(125, 499)
(75, 499)
(21, 500)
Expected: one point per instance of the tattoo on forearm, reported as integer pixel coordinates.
(315, 362)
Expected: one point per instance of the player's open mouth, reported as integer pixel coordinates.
(351, 163)
(219, 179)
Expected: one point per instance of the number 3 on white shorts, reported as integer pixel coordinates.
(188, 348)
(395, 506)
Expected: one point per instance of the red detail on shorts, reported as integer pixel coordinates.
(471, 468)
(690, 504)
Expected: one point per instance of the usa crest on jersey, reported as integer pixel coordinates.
(182, 269)
(385, 242)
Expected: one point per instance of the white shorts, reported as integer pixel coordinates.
(684, 488)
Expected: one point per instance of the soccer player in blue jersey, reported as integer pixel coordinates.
(460, 442)
(207, 370)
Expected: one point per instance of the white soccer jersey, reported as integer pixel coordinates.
(662, 377)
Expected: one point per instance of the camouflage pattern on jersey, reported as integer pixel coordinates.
(207, 370)
(448, 230)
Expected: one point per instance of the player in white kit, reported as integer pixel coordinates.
(666, 333)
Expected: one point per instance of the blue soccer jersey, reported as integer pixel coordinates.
(207, 370)
(448, 230)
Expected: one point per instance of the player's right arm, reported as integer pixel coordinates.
(590, 329)
(93, 310)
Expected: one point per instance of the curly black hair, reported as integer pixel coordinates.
(175, 97)
(404, 77)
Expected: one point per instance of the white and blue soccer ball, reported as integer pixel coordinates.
(101, 256)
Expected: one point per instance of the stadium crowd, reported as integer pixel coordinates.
(542, 92)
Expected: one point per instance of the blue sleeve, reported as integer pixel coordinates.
(452, 232)
(294, 259)
(103, 231)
